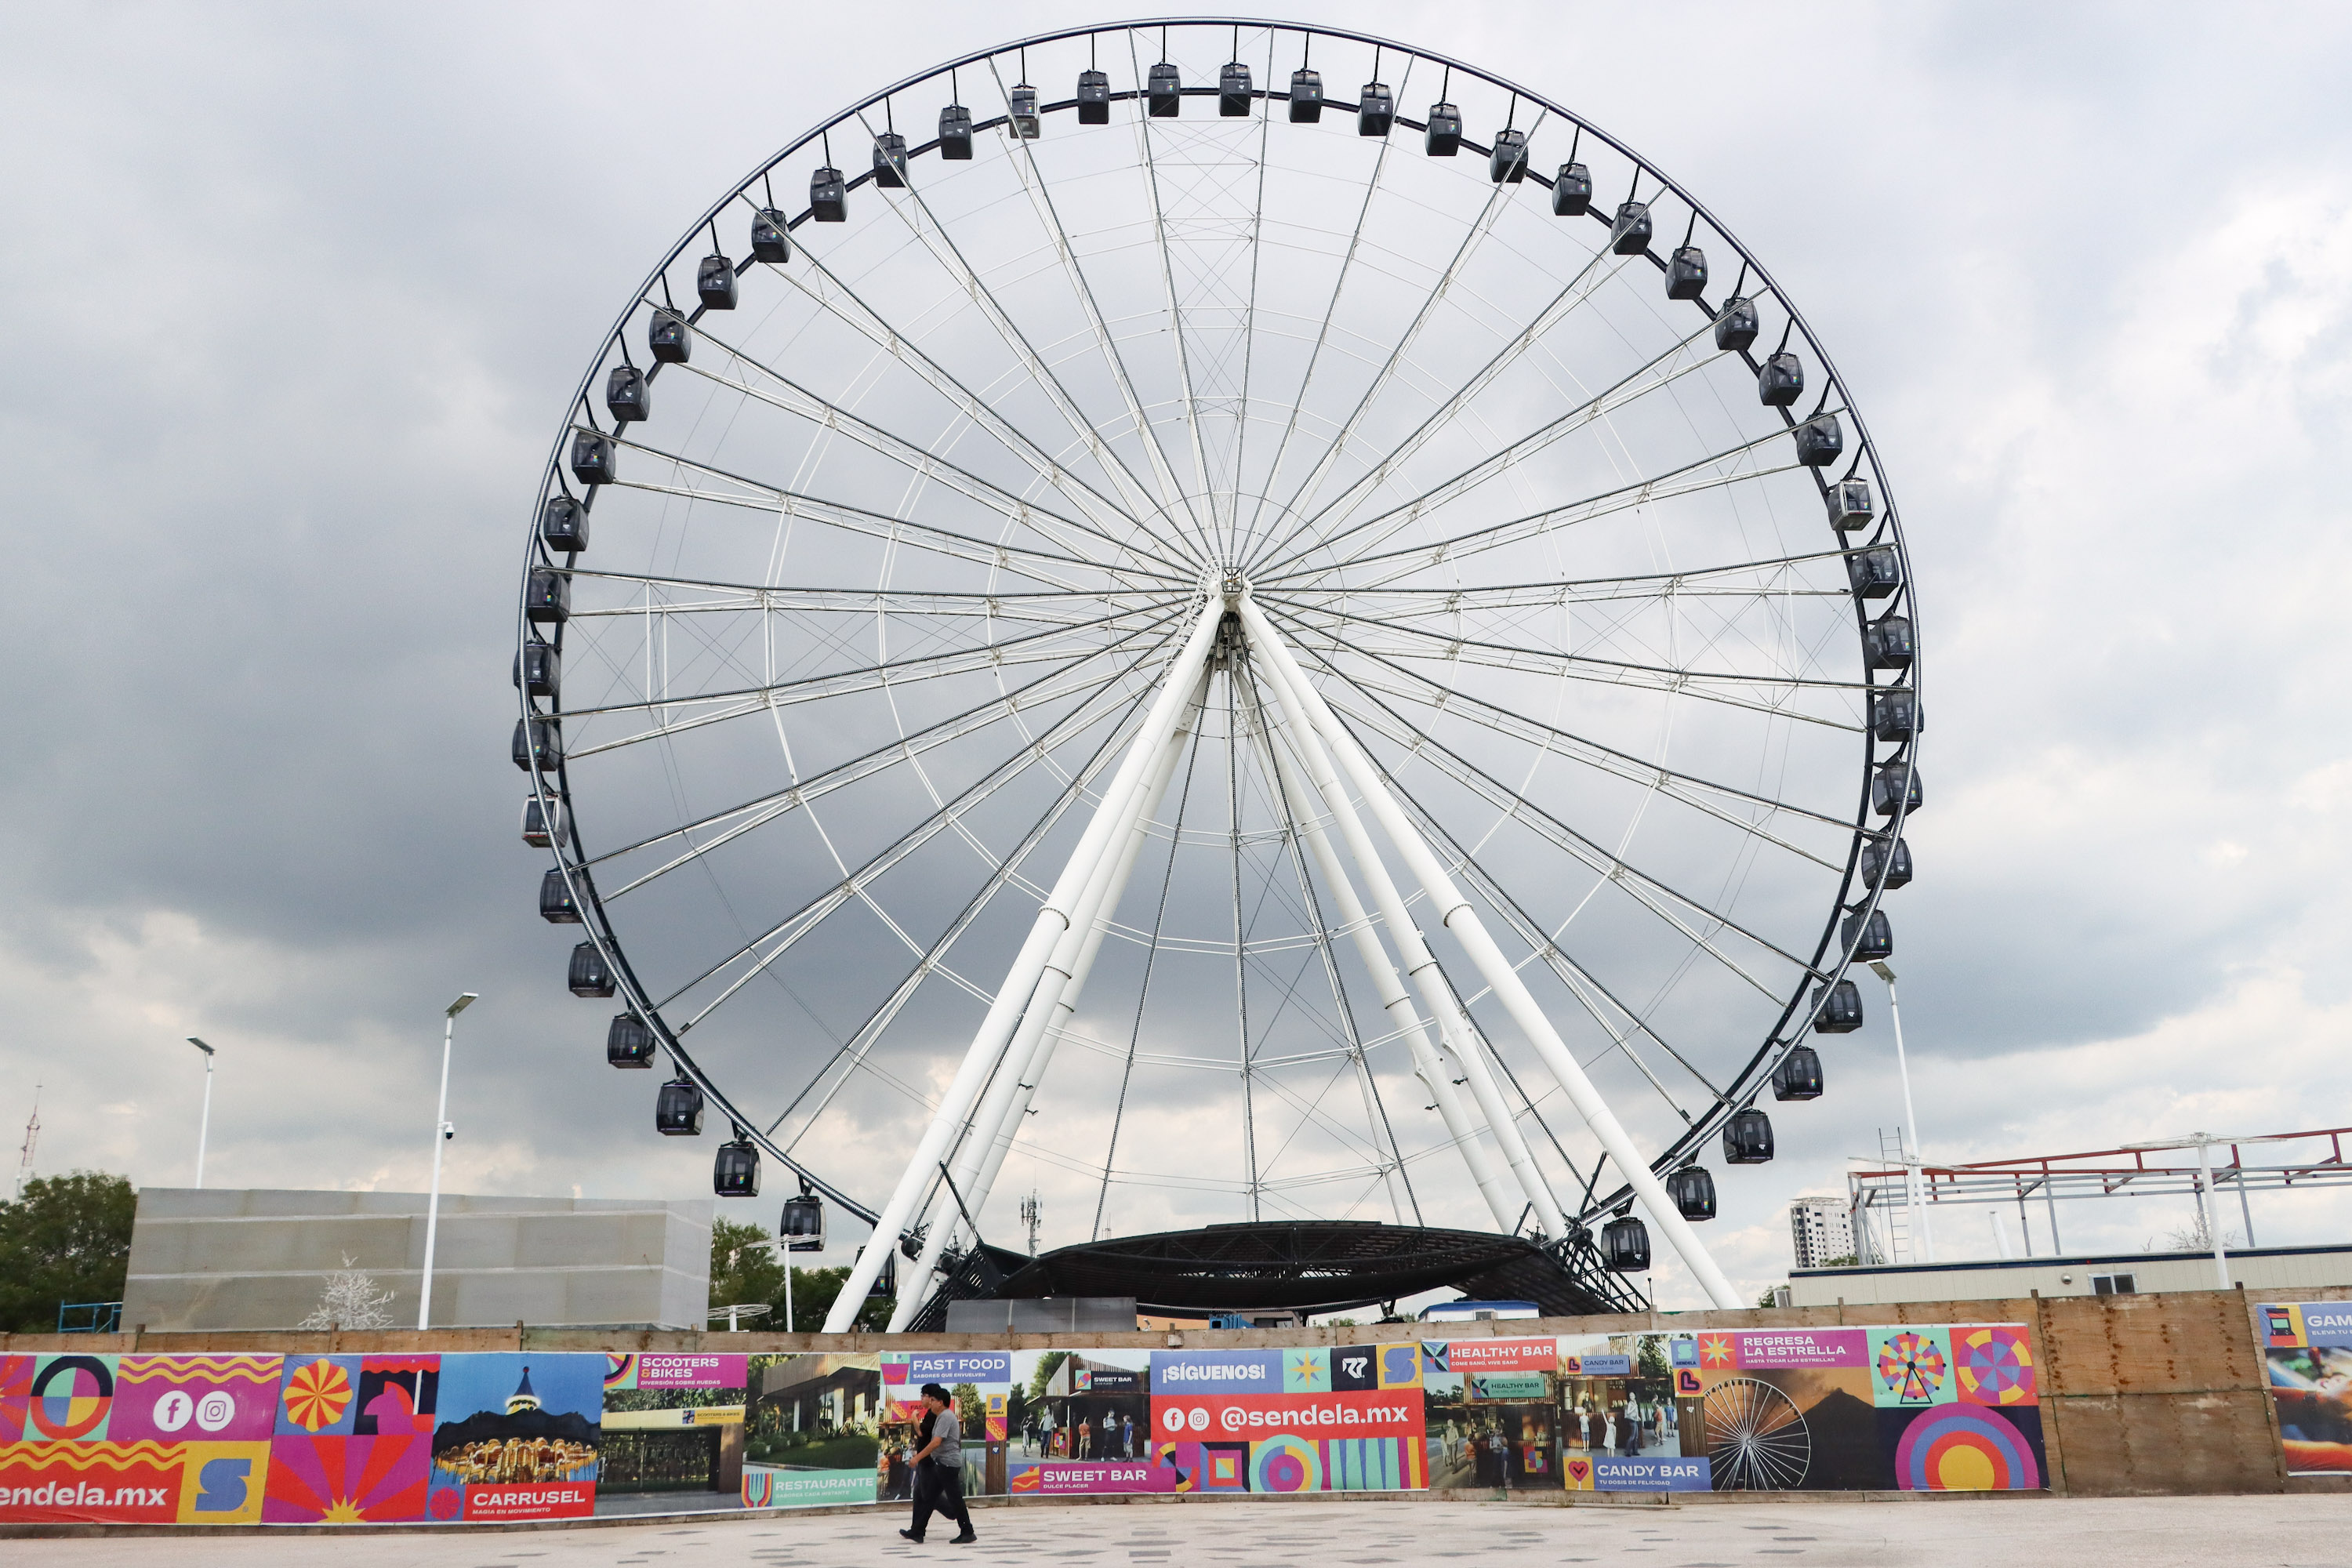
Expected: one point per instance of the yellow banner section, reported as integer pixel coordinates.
(671, 1420)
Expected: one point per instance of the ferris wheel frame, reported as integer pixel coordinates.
(1857, 899)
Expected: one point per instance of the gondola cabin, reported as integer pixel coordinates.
(1837, 1009)
(1572, 191)
(1693, 1190)
(1799, 1076)
(677, 1110)
(714, 280)
(589, 974)
(629, 1042)
(1306, 97)
(1748, 1138)
(1625, 1244)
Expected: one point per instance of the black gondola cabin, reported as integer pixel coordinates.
(1748, 1138)
(589, 974)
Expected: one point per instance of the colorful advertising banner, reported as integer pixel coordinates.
(135, 1439)
(309, 1440)
(1079, 1423)
(981, 1384)
(1302, 1419)
(1908, 1407)
(814, 1431)
(2308, 1355)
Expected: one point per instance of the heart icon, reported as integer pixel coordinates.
(1579, 1468)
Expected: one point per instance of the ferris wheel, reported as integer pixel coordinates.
(1250, 652)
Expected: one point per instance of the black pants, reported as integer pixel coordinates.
(939, 1488)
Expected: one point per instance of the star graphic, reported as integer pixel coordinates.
(1714, 1350)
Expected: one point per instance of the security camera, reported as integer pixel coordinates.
(448, 1130)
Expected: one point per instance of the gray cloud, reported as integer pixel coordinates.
(294, 303)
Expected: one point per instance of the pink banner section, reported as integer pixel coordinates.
(1804, 1347)
(691, 1370)
(1501, 1355)
(1064, 1477)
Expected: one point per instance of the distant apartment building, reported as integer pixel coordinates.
(1822, 1230)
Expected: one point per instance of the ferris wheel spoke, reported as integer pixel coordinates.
(801, 403)
(1675, 785)
(1233, 542)
(1544, 947)
(1425, 647)
(1322, 334)
(756, 813)
(1399, 657)
(772, 499)
(1023, 158)
(843, 303)
(1447, 599)
(1031, 647)
(1652, 892)
(1660, 372)
(781, 937)
(1175, 321)
(1005, 869)
(1697, 477)
(1150, 968)
(1376, 1114)
(1044, 690)
(1050, 608)
(909, 205)
(1479, 229)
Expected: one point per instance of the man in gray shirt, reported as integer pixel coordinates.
(939, 1469)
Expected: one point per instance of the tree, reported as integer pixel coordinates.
(1651, 1360)
(350, 1301)
(67, 1240)
(1048, 1364)
(744, 1269)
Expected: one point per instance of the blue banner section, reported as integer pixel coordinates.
(959, 1366)
(2328, 1323)
(1216, 1372)
(1599, 1365)
(1651, 1475)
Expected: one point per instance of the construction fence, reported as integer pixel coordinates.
(2195, 1392)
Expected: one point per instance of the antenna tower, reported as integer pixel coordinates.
(1030, 1210)
(32, 1136)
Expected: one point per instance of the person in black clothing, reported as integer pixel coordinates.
(939, 1468)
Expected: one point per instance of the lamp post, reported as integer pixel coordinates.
(1911, 1179)
(205, 1124)
(442, 1134)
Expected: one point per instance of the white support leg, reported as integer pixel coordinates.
(1007, 1099)
(988, 1043)
(1453, 1026)
(1463, 920)
(1059, 1016)
(1427, 1065)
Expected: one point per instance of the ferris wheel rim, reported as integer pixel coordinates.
(598, 922)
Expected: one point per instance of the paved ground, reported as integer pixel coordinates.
(2142, 1532)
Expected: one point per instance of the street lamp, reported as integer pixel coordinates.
(1911, 1179)
(204, 1127)
(442, 1134)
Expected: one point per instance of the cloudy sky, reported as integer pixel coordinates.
(295, 297)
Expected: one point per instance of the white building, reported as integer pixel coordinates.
(2268, 1273)
(1822, 1229)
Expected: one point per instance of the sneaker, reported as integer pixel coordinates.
(912, 1536)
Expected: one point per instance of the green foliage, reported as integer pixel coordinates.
(744, 1269)
(1768, 1299)
(67, 1240)
(1047, 1365)
(1651, 1360)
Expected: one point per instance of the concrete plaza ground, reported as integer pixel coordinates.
(1941, 1533)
